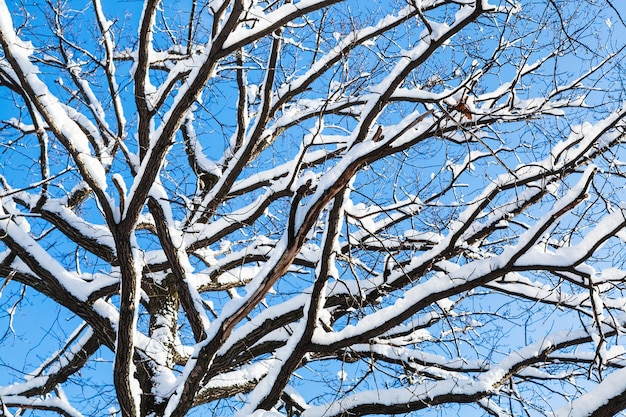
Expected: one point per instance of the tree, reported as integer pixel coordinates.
(313, 207)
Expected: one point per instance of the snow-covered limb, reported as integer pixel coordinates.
(70, 287)
(58, 368)
(480, 271)
(376, 209)
(54, 404)
(467, 230)
(268, 391)
(605, 399)
(456, 388)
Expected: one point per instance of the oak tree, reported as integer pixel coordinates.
(312, 207)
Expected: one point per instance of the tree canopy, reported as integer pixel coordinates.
(312, 207)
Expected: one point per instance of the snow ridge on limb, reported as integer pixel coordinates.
(58, 367)
(372, 203)
(53, 404)
(456, 281)
(456, 388)
(605, 399)
(268, 391)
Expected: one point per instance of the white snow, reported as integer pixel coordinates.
(586, 404)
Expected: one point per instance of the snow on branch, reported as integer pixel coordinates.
(318, 207)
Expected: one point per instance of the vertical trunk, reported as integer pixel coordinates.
(124, 371)
(163, 309)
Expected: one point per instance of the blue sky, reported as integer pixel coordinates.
(31, 322)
